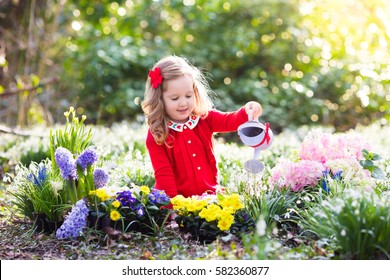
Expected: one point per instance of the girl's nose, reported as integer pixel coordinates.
(182, 102)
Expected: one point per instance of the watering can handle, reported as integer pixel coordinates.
(250, 115)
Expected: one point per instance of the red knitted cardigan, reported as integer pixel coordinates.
(189, 167)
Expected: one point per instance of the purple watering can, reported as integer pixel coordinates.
(258, 136)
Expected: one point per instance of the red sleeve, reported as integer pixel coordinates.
(226, 122)
(163, 171)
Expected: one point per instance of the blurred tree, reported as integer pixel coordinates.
(28, 42)
(308, 62)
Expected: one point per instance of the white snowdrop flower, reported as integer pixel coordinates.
(7, 178)
(261, 227)
(57, 186)
(321, 214)
(338, 207)
(354, 194)
(343, 232)
(326, 204)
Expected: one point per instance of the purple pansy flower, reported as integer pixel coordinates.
(126, 198)
(158, 197)
(139, 210)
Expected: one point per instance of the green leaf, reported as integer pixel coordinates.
(367, 164)
(376, 156)
(365, 153)
(377, 173)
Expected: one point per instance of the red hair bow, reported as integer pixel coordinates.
(155, 77)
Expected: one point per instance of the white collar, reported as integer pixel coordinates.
(191, 123)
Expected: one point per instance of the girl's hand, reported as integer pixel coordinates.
(255, 107)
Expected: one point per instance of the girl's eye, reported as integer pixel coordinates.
(174, 99)
(189, 96)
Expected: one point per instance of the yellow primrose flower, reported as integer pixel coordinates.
(190, 206)
(115, 215)
(238, 205)
(232, 201)
(116, 203)
(234, 196)
(178, 202)
(145, 189)
(102, 194)
(208, 214)
(92, 192)
(199, 204)
(224, 213)
(177, 199)
(225, 223)
(177, 207)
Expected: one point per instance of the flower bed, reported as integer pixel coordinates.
(84, 188)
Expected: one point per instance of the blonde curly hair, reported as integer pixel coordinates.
(173, 67)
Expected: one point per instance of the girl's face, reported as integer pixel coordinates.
(179, 98)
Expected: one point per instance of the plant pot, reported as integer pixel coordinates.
(42, 224)
(198, 229)
(133, 224)
(98, 221)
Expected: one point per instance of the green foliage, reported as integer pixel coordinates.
(292, 60)
(357, 222)
(368, 163)
(303, 59)
(35, 192)
(281, 208)
(74, 136)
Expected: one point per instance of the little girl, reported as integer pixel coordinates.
(181, 126)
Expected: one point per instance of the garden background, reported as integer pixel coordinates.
(311, 64)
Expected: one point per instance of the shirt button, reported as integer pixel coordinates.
(189, 142)
(185, 127)
(198, 167)
(194, 155)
